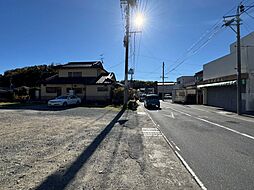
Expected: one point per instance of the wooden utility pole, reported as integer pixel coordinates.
(126, 43)
(239, 76)
(235, 20)
(163, 81)
(127, 4)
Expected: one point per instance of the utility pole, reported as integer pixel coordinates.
(127, 4)
(126, 44)
(163, 80)
(239, 76)
(236, 21)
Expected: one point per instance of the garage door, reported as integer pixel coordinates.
(222, 96)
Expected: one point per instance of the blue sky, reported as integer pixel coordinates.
(59, 31)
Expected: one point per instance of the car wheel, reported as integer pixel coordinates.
(77, 103)
(65, 104)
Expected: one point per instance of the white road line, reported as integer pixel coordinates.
(221, 126)
(172, 114)
(191, 171)
(181, 112)
(199, 182)
(141, 113)
(177, 148)
(231, 116)
(151, 119)
(216, 124)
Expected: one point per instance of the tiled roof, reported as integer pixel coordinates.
(91, 64)
(106, 79)
(71, 80)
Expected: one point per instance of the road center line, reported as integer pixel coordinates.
(212, 111)
(172, 114)
(216, 124)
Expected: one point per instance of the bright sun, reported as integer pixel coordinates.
(139, 20)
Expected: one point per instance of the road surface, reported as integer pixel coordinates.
(217, 145)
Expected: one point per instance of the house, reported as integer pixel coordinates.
(219, 78)
(184, 91)
(88, 80)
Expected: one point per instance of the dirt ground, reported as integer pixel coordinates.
(35, 142)
(86, 148)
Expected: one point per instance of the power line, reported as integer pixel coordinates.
(249, 15)
(193, 51)
(211, 33)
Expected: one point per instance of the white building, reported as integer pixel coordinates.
(166, 88)
(219, 88)
(184, 91)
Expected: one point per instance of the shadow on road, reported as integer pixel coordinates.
(60, 179)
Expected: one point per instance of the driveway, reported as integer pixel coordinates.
(36, 141)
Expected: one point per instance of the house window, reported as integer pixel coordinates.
(74, 74)
(77, 74)
(69, 74)
(51, 89)
(102, 89)
(68, 90)
(76, 90)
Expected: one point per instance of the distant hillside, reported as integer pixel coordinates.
(27, 76)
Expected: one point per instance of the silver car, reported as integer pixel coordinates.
(64, 101)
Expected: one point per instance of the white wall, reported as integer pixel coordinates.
(226, 66)
(221, 67)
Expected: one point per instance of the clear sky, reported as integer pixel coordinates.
(34, 32)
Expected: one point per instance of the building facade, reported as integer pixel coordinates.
(167, 88)
(219, 78)
(184, 91)
(88, 80)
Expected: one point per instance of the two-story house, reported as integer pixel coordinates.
(88, 80)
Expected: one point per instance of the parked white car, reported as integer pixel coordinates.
(64, 101)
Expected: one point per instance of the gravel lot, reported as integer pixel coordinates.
(35, 142)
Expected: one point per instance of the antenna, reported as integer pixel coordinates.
(102, 57)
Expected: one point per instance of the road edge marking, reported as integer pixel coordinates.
(191, 172)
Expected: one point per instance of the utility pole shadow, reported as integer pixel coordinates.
(60, 179)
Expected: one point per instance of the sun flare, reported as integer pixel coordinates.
(139, 20)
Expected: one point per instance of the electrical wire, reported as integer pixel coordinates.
(201, 43)
(249, 15)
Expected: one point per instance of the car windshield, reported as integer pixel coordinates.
(62, 97)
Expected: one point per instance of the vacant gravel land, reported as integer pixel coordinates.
(35, 142)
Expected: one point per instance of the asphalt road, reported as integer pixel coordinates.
(217, 145)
